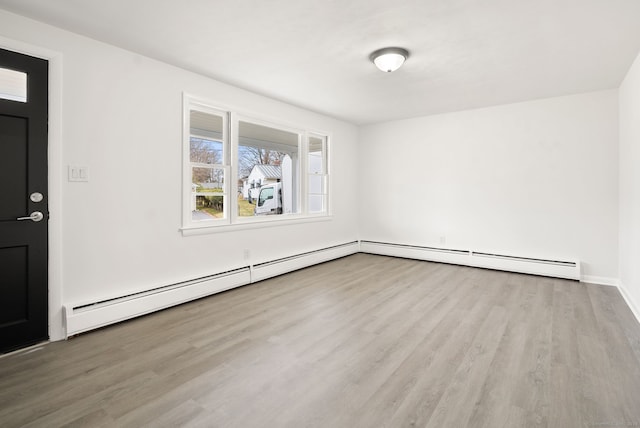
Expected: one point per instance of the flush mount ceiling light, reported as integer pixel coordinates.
(389, 59)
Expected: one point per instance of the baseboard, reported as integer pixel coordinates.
(569, 269)
(88, 316)
(85, 316)
(635, 308)
(600, 280)
(281, 266)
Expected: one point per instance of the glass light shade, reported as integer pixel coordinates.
(389, 59)
(389, 62)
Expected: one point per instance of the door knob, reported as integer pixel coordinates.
(35, 216)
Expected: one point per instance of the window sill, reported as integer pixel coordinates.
(252, 223)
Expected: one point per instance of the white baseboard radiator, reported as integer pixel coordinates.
(85, 316)
(88, 316)
(533, 266)
(272, 268)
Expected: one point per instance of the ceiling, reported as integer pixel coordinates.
(314, 53)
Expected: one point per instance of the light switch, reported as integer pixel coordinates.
(78, 173)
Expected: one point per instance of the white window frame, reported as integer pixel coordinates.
(324, 174)
(235, 147)
(190, 104)
(231, 220)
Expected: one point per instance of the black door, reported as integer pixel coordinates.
(23, 201)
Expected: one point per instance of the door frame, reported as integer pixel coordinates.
(55, 178)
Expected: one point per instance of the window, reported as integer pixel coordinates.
(317, 168)
(269, 157)
(13, 85)
(207, 168)
(240, 170)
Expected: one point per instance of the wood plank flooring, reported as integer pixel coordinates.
(363, 341)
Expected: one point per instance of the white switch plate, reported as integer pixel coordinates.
(78, 173)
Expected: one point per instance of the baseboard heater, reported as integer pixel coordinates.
(85, 316)
(511, 263)
(88, 316)
(276, 267)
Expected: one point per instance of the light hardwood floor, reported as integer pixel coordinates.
(364, 341)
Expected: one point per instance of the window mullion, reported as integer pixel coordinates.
(232, 145)
(304, 173)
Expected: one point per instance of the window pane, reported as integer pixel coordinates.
(207, 193)
(268, 177)
(317, 194)
(317, 203)
(317, 200)
(205, 151)
(316, 155)
(13, 85)
(206, 125)
(316, 184)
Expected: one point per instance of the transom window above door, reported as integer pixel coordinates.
(13, 85)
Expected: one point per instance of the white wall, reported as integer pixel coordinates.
(120, 114)
(534, 179)
(630, 186)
